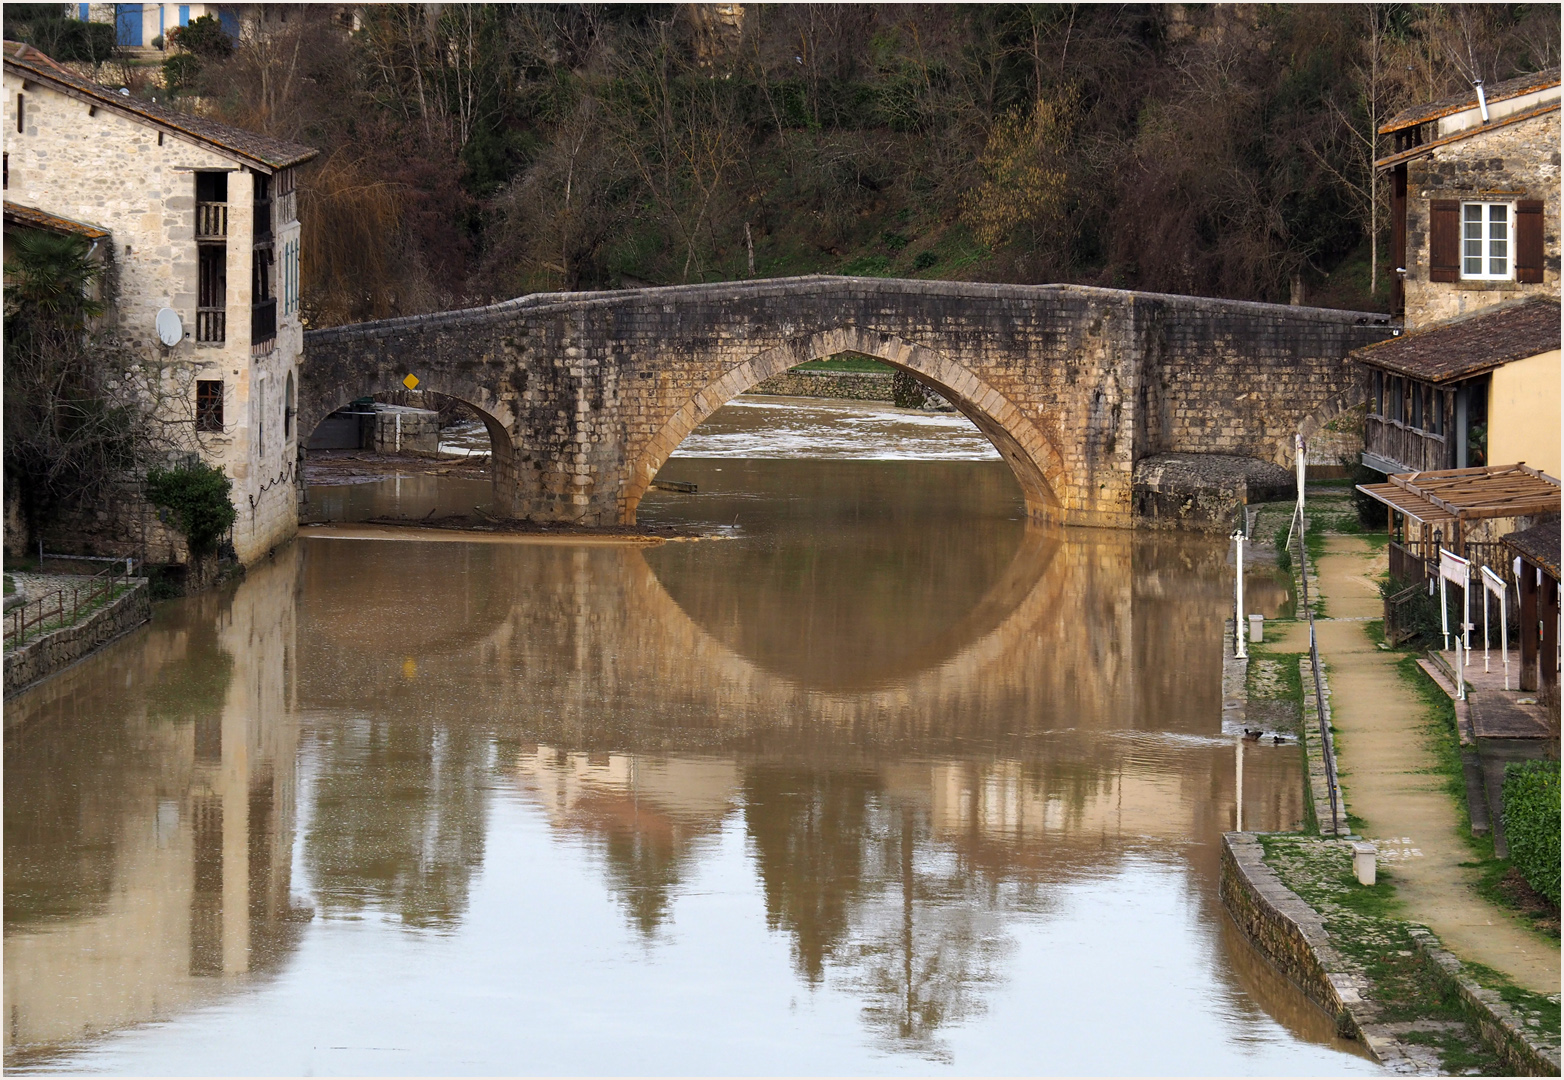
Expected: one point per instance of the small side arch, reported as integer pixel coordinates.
(1337, 404)
(1038, 466)
(502, 459)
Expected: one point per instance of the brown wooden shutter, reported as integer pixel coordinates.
(1528, 241)
(1444, 240)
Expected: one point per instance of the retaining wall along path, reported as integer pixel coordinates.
(43, 656)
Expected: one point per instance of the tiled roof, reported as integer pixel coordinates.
(39, 219)
(1471, 345)
(1422, 149)
(1499, 91)
(1539, 544)
(251, 148)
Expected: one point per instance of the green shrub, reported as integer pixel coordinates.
(197, 500)
(926, 260)
(1283, 555)
(1531, 823)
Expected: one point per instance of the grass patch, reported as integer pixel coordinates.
(1366, 926)
(846, 362)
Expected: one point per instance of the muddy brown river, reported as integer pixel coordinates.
(878, 779)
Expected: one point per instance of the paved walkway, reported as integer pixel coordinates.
(1390, 780)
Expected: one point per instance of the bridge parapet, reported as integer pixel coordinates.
(1073, 384)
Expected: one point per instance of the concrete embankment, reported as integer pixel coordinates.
(49, 653)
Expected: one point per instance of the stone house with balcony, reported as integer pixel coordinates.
(199, 218)
(1473, 378)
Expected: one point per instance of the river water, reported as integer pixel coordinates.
(875, 779)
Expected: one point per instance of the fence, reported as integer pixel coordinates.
(65, 605)
(1327, 746)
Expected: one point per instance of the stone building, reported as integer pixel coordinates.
(200, 221)
(1473, 379)
(141, 30)
(1475, 199)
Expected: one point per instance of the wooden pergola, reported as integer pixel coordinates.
(1446, 501)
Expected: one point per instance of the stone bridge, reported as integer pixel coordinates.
(585, 395)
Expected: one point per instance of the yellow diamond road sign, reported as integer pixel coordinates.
(411, 382)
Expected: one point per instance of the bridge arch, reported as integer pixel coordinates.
(1036, 462)
(494, 413)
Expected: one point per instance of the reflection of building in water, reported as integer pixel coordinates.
(647, 814)
(148, 857)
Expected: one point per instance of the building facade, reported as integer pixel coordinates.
(1473, 379)
(201, 219)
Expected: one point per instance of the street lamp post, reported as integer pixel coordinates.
(1242, 651)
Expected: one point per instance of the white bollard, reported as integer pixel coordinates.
(1256, 628)
(1363, 862)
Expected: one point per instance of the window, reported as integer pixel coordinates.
(209, 405)
(1393, 399)
(1485, 241)
(1377, 393)
(287, 409)
(21, 105)
(1435, 415)
(1417, 405)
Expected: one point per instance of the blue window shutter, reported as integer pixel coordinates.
(127, 24)
(184, 14)
(229, 22)
(81, 12)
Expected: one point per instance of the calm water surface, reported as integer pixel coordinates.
(880, 780)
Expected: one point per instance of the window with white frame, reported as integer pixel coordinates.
(1485, 241)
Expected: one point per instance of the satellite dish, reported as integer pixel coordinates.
(170, 330)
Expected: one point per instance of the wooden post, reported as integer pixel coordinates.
(1548, 612)
(1528, 620)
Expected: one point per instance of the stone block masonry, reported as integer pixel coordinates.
(586, 395)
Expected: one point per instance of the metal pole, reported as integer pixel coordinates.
(1241, 652)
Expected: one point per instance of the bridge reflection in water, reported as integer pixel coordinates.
(914, 784)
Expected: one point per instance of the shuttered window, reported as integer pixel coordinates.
(1444, 240)
(1528, 242)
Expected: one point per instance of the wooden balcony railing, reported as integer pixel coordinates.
(211, 221)
(211, 324)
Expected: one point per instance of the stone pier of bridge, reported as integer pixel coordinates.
(585, 395)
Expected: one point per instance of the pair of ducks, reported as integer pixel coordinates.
(1253, 735)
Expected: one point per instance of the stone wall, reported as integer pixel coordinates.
(42, 657)
(847, 385)
(1519, 161)
(593, 391)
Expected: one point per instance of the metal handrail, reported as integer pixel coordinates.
(1327, 750)
(100, 587)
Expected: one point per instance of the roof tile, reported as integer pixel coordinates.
(1499, 91)
(1470, 345)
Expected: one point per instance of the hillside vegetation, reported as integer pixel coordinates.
(474, 152)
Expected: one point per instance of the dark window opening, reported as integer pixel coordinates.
(1377, 393)
(263, 206)
(1417, 405)
(211, 205)
(209, 405)
(21, 103)
(212, 293)
(5, 170)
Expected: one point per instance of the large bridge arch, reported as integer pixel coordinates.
(1031, 455)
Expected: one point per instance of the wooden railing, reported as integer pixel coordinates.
(211, 221)
(1409, 561)
(64, 606)
(211, 324)
(1397, 628)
